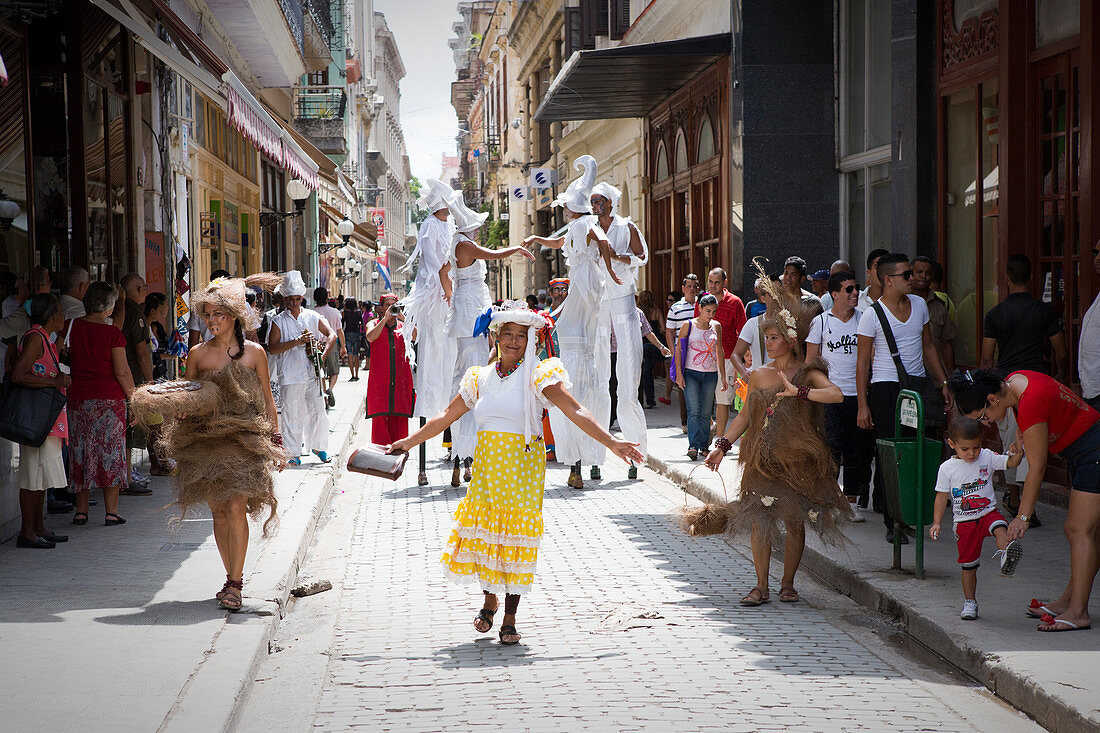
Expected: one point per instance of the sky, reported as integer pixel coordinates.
(422, 29)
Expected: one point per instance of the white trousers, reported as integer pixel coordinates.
(628, 368)
(435, 365)
(471, 352)
(305, 424)
(588, 362)
(1007, 428)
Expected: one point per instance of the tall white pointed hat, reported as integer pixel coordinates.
(465, 219)
(609, 192)
(576, 196)
(293, 284)
(434, 195)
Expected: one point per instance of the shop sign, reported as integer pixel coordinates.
(154, 261)
(540, 178)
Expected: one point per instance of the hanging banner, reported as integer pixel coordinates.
(378, 218)
(154, 262)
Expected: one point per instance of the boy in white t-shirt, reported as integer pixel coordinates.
(966, 480)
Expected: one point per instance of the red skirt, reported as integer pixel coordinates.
(390, 381)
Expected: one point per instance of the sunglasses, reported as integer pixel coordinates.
(851, 289)
(908, 274)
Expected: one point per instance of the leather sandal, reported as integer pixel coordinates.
(789, 595)
(759, 599)
(111, 519)
(508, 630)
(485, 615)
(233, 598)
(80, 518)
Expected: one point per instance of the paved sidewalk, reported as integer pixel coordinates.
(1053, 677)
(630, 626)
(117, 630)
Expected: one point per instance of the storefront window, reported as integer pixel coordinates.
(14, 245)
(1055, 20)
(865, 129)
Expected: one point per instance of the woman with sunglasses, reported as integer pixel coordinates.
(1053, 420)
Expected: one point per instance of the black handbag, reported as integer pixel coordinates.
(934, 406)
(28, 414)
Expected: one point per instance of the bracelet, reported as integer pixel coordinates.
(803, 393)
(277, 439)
(723, 444)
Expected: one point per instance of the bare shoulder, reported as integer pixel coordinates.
(253, 353)
(765, 377)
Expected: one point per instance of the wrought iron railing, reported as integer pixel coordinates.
(292, 11)
(321, 10)
(319, 102)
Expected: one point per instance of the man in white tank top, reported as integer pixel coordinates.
(628, 253)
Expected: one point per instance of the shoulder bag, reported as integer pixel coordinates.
(933, 398)
(683, 353)
(28, 414)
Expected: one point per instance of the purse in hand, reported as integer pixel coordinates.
(28, 414)
(373, 460)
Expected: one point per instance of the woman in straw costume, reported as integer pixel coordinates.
(225, 432)
(789, 476)
(498, 524)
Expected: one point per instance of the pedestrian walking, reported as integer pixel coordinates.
(966, 482)
(1015, 334)
(794, 274)
(698, 371)
(102, 382)
(340, 350)
(196, 326)
(731, 316)
(469, 300)
(758, 306)
(894, 346)
(679, 313)
(788, 474)
(1088, 350)
(139, 356)
(584, 337)
(390, 397)
(833, 337)
(940, 323)
(1053, 419)
(224, 437)
(42, 467)
(296, 335)
(499, 523)
(653, 350)
(352, 320)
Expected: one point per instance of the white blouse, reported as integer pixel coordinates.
(498, 404)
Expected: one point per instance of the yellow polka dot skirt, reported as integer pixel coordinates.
(498, 524)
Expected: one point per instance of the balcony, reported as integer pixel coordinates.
(268, 34)
(319, 115)
(318, 32)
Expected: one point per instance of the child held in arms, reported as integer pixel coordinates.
(967, 480)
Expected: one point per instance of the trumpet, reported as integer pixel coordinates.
(314, 352)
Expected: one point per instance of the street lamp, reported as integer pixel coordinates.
(9, 210)
(298, 193)
(345, 228)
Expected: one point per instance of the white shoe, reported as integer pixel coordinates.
(1010, 557)
(857, 514)
(970, 610)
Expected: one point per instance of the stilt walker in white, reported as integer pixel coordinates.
(628, 252)
(427, 307)
(470, 299)
(294, 333)
(584, 336)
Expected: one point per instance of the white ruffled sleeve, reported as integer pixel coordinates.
(467, 388)
(549, 371)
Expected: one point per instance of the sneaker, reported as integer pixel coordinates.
(890, 537)
(137, 477)
(664, 400)
(970, 610)
(1010, 557)
(857, 514)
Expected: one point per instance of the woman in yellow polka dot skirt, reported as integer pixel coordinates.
(498, 524)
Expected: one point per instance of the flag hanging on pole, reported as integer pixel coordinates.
(384, 272)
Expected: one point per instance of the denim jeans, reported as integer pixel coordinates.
(699, 395)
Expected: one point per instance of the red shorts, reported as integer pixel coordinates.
(970, 535)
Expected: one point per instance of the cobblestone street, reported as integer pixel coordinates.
(630, 626)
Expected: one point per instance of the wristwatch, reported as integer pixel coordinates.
(1024, 517)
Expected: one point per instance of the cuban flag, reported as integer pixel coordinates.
(384, 272)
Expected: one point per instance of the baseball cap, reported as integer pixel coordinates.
(820, 275)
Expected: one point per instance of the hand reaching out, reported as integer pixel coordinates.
(789, 389)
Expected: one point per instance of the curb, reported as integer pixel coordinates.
(214, 694)
(1019, 691)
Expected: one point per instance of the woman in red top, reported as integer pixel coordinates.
(1053, 420)
(97, 405)
(42, 467)
(389, 382)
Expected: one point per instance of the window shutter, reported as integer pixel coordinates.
(590, 20)
(620, 18)
(573, 36)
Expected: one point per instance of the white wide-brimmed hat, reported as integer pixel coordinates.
(609, 192)
(434, 195)
(466, 219)
(293, 284)
(576, 196)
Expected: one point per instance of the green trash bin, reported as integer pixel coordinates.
(898, 459)
(909, 467)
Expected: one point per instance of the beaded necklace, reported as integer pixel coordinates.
(510, 371)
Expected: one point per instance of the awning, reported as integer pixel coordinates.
(627, 81)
